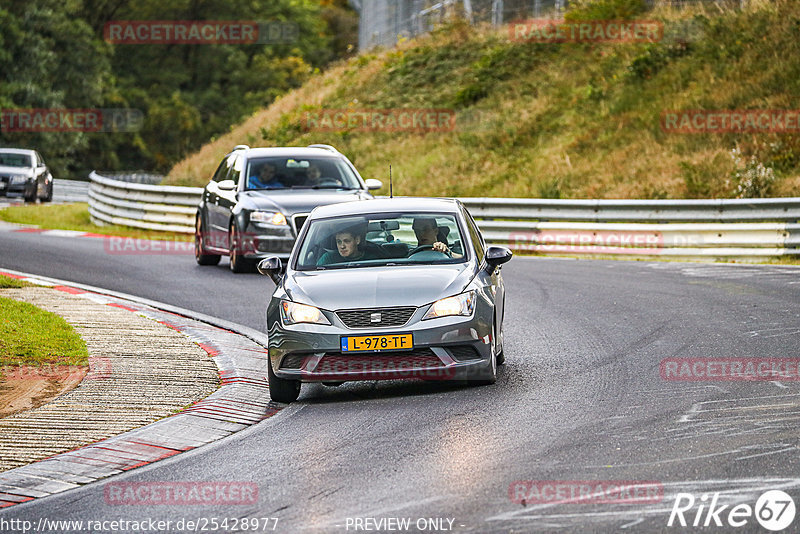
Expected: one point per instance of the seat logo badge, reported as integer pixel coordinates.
(375, 317)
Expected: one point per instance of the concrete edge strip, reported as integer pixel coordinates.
(241, 401)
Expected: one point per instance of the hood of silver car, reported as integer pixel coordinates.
(378, 287)
(5, 170)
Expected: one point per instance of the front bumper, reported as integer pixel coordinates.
(262, 241)
(14, 189)
(449, 348)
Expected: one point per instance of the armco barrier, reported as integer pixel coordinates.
(700, 229)
(154, 207)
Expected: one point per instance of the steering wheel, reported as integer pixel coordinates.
(427, 252)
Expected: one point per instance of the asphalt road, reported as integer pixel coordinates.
(581, 398)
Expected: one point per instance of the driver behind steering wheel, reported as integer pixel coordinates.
(314, 177)
(427, 232)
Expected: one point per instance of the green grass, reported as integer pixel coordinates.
(76, 217)
(572, 120)
(8, 282)
(32, 336)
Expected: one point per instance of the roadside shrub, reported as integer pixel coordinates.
(604, 9)
(751, 178)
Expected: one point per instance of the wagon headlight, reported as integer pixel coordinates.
(294, 313)
(269, 217)
(19, 179)
(462, 304)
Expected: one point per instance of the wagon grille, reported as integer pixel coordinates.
(375, 317)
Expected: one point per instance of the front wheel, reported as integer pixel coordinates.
(489, 375)
(239, 264)
(49, 196)
(281, 389)
(32, 196)
(199, 246)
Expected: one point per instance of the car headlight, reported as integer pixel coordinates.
(462, 304)
(19, 179)
(269, 217)
(294, 313)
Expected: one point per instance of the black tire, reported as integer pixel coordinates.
(32, 196)
(238, 263)
(199, 245)
(501, 350)
(49, 196)
(489, 375)
(281, 389)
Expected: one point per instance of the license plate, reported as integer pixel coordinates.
(377, 343)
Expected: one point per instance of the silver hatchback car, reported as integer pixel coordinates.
(384, 289)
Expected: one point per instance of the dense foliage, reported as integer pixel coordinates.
(53, 56)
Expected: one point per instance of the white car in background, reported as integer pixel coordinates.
(24, 173)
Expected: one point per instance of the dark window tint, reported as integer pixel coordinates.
(224, 168)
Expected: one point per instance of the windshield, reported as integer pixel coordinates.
(300, 173)
(381, 240)
(14, 160)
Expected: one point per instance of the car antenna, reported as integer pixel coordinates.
(391, 194)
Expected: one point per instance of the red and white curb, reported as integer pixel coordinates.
(242, 400)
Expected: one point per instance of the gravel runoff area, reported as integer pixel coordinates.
(145, 363)
(139, 371)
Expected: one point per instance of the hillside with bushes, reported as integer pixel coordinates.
(559, 120)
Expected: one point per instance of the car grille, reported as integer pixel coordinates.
(298, 220)
(414, 359)
(334, 362)
(464, 353)
(366, 318)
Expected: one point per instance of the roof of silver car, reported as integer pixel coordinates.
(380, 205)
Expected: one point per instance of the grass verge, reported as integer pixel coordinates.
(32, 336)
(8, 282)
(76, 217)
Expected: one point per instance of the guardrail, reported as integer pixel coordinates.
(710, 229)
(153, 207)
(70, 190)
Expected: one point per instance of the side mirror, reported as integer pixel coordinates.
(227, 185)
(497, 255)
(271, 267)
(373, 184)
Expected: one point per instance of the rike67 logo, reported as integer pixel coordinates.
(774, 510)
